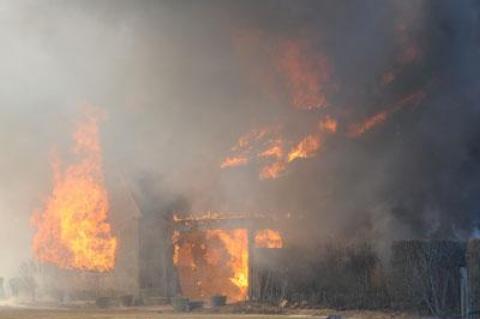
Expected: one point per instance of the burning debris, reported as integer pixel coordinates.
(213, 253)
(271, 144)
(350, 126)
(299, 73)
(214, 261)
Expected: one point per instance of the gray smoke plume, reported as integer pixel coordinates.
(179, 90)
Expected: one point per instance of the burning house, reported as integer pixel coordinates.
(346, 134)
(138, 253)
(74, 237)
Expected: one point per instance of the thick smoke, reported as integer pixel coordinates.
(179, 89)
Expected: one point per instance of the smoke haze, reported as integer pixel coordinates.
(180, 82)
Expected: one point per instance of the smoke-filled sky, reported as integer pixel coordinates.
(182, 81)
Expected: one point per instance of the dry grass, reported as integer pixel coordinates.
(133, 314)
(16, 313)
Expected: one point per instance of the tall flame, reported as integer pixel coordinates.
(235, 242)
(72, 231)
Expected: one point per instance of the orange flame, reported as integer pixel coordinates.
(305, 148)
(273, 170)
(268, 238)
(305, 76)
(328, 124)
(357, 130)
(234, 161)
(212, 262)
(72, 232)
(245, 141)
(236, 244)
(275, 150)
(243, 147)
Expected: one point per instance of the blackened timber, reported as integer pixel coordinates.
(234, 222)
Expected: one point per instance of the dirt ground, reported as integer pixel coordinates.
(19, 313)
(76, 314)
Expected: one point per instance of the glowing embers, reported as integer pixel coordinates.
(214, 261)
(268, 238)
(72, 231)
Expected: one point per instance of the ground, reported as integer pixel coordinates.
(56, 314)
(19, 313)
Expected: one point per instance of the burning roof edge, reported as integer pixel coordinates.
(224, 220)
